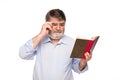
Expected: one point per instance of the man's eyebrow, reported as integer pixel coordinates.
(54, 23)
(58, 23)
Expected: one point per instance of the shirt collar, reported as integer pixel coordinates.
(63, 40)
(46, 40)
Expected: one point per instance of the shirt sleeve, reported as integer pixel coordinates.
(75, 66)
(27, 50)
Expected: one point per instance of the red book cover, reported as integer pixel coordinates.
(88, 47)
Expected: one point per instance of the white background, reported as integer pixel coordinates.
(21, 20)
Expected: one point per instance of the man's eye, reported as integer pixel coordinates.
(62, 24)
(54, 24)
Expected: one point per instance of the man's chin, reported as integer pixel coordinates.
(54, 36)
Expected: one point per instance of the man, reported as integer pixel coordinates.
(53, 49)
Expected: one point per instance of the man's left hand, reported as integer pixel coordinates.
(83, 62)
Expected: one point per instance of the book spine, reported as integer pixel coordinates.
(88, 47)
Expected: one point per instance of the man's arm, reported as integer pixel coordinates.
(83, 62)
(44, 31)
(28, 50)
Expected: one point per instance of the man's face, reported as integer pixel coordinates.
(57, 28)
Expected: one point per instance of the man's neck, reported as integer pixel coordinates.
(55, 41)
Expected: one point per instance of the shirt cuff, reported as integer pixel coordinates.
(78, 69)
(85, 69)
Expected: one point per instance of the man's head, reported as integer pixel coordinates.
(55, 13)
(57, 19)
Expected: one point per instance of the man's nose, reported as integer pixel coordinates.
(58, 26)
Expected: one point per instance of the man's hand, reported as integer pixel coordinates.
(45, 29)
(88, 56)
(83, 62)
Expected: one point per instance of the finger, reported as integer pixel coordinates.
(48, 25)
(90, 52)
(88, 56)
(86, 53)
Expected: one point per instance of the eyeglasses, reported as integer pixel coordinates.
(58, 24)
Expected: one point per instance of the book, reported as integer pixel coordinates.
(82, 46)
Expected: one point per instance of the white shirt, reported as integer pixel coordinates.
(53, 62)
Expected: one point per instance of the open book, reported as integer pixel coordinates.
(82, 46)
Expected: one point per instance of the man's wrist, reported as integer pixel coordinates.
(82, 64)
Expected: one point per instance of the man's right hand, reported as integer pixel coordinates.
(45, 28)
(44, 31)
